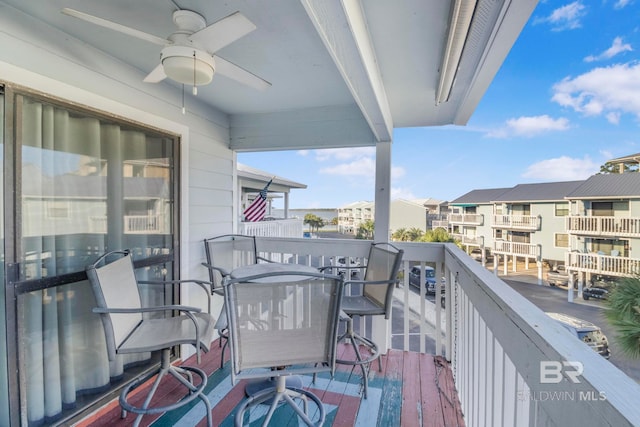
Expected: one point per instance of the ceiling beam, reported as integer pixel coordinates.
(342, 27)
(312, 128)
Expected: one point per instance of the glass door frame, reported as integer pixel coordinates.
(13, 286)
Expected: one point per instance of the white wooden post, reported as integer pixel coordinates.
(381, 328)
(286, 204)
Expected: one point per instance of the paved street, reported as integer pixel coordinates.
(545, 297)
(548, 298)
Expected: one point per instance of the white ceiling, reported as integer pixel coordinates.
(381, 56)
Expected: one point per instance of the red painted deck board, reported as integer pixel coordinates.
(425, 396)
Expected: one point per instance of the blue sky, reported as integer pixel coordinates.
(566, 100)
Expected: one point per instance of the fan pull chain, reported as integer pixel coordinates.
(195, 88)
(184, 109)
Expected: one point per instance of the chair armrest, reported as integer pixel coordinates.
(331, 267)
(183, 308)
(222, 271)
(201, 283)
(370, 282)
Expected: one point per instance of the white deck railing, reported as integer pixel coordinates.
(519, 222)
(603, 226)
(496, 341)
(603, 264)
(470, 219)
(516, 248)
(468, 240)
(276, 228)
(440, 223)
(133, 224)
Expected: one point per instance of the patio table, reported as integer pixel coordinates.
(272, 267)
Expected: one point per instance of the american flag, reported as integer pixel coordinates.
(258, 208)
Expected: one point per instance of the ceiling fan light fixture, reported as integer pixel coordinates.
(188, 65)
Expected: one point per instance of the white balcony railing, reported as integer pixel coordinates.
(133, 224)
(468, 240)
(440, 224)
(143, 224)
(516, 222)
(603, 226)
(466, 219)
(603, 264)
(276, 228)
(497, 342)
(516, 248)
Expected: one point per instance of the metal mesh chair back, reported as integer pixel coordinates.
(383, 265)
(114, 285)
(277, 320)
(229, 252)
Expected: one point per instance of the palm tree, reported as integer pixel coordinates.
(365, 231)
(400, 235)
(314, 221)
(623, 313)
(415, 234)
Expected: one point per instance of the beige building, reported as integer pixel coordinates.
(403, 214)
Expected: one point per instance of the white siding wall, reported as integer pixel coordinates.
(485, 229)
(550, 225)
(407, 215)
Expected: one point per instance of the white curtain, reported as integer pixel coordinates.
(66, 191)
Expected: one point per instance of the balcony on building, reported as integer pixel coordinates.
(516, 222)
(466, 219)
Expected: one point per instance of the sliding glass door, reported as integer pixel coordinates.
(4, 385)
(85, 184)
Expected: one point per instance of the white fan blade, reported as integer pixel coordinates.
(239, 74)
(223, 32)
(155, 76)
(115, 26)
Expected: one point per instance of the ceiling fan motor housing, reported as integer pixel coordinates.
(188, 65)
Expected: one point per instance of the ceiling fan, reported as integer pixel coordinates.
(188, 55)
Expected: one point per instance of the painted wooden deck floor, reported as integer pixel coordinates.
(413, 389)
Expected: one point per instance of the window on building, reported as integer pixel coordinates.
(57, 210)
(522, 209)
(520, 237)
(602, 208)
(562, 209)
(561, 240)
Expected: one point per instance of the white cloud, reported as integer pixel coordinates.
(402, 193)
(530, 126)
(562, 169)
(303, 153)
(613, 118)
(342, 154)
(616, 47)
(621, 3)
(607, 90)
(365, 166)
(566, 17)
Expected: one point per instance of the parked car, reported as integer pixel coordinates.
(477, 255)
(429, 276)
(560, 277)
(599, 289)
(341, 263)
(585, 331)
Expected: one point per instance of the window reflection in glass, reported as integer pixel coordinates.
(89, 185)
